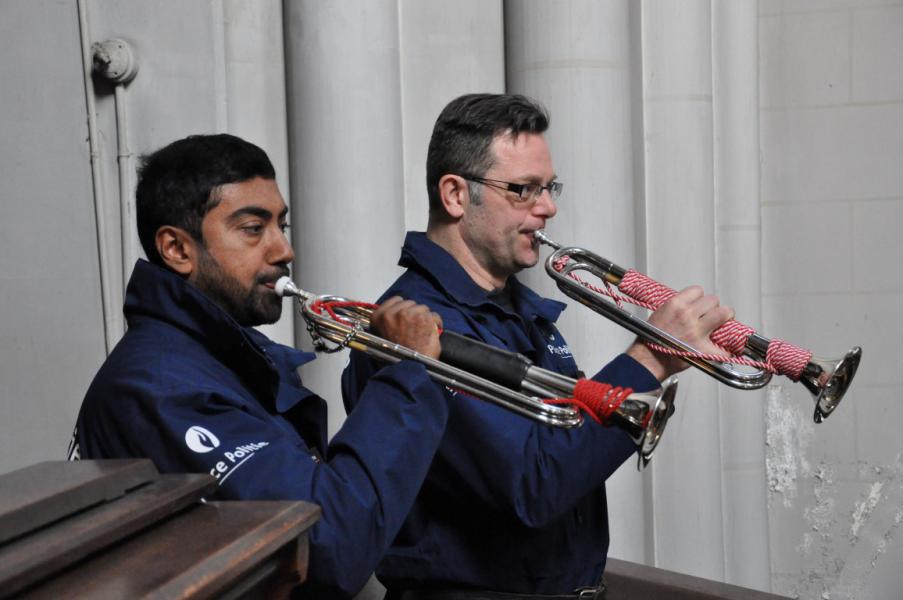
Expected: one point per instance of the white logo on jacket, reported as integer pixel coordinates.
(233, 460)
(563, 351)
(200, 440)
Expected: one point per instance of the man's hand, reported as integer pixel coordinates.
(691, 317)
(409, 324)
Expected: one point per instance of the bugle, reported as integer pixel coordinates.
(506, 379)
(826, 380)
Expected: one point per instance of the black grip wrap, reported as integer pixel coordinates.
(478, 358)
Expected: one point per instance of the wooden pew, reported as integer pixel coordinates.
(119, 529)
(632, 581)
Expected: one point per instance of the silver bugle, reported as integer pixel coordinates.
(516, 385)
(826, 380)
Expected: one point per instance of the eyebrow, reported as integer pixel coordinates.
(539, 180)
(255, 211)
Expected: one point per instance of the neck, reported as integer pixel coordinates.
(451, 241)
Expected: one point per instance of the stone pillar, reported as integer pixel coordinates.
(342, 72)
(575, 58)
(254, 87)
(679, 221)
(735, 78)
(449, 49)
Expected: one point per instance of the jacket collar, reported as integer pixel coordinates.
(424, 255)
(159, 293)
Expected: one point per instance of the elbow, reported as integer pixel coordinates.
(540, 502)
(535, 514)
(341, 559)
(329, 577)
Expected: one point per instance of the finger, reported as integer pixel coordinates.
(704, 305)
(415, 316)
(422, 312)
(716, 317)
(416, 310)
(386, 305)
(382, 317)
(689, 294)
(680, 305)
(390, 301)
(396, 308)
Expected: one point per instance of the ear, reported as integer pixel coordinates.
(455, 195)
(178, 249)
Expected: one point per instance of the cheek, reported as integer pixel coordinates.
(498, 225)
(239, 264)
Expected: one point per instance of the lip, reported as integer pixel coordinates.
(270, 280)
(269, 284)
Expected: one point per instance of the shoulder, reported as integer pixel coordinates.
(155, 364)
(413, 285)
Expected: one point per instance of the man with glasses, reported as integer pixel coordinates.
(510, 508)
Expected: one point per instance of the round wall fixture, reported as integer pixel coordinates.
(114, 60)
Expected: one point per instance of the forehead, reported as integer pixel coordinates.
(527, 154)
(257, 192)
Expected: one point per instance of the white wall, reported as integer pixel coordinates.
(190, 80)
(51, 323)
(832, 206)
(751, 146)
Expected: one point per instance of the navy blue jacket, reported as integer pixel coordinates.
(195, 392)
(508, 505)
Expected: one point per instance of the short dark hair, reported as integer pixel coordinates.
(465, 129)
(177, 184)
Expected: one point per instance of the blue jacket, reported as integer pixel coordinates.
(508, 505)
(195, 392)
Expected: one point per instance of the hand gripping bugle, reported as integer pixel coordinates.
(507, 379)
(827, 380)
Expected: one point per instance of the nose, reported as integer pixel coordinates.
(280, 249)
(545, 206)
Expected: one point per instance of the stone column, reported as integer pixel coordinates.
(679, 216)
(735, 77)
(575, 58)
(342, 72)
(254, 87)
(448, 49)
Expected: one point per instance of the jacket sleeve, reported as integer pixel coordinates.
(365, 485)
(514, 465)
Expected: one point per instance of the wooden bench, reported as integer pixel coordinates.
(119, 529)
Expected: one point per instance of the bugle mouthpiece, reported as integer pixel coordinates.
(543, 238)
(284, 286)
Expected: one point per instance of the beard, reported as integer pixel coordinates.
(249, 307)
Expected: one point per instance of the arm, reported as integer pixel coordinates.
(365, 484)
(508, 463)
(690, 316)
(375, 466)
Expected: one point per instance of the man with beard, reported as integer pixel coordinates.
(511, 508)
(193, 387)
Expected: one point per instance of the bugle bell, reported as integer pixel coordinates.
(826, 380)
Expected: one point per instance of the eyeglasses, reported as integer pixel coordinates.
(526, 192)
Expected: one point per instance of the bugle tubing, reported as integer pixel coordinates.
(827, 380)
(506, 379)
